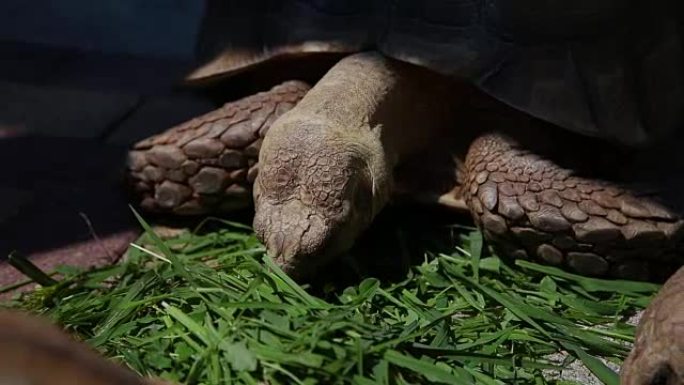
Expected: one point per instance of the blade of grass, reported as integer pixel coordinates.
(30, 270)
(428, 370)
(593, 284)
(600, 370)
(475, 238)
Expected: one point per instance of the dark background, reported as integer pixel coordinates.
(164, 28)
(80, 81)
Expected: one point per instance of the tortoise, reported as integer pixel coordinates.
(478, 106)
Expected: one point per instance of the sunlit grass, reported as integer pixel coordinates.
(211, 308)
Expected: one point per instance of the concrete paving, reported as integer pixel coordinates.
(61, 111)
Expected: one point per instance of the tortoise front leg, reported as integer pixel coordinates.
(208, 164)
(658, 353)
(530, 207)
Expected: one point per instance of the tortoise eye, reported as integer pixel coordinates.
(662, 376)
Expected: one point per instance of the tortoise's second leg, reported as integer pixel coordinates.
(658, 353)
(34, 351)
(531, 207)
(208, 164)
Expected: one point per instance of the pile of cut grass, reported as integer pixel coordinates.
(213, 309)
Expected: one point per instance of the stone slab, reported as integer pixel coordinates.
(75, 186)
(12, 200)
(62, 112)
(28, 63)
(121, 73)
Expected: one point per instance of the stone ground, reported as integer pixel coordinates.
(66, 120)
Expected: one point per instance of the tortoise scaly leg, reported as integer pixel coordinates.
(530, 207)
(208, 164)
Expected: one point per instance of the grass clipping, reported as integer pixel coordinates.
(212, 309)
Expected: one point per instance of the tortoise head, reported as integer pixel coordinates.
(314, 194)
(325, 166)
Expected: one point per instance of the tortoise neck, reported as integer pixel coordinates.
(404, 106)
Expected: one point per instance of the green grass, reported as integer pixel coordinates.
(212, 309)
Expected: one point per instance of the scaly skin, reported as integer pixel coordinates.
(208, 164)
(528, 207)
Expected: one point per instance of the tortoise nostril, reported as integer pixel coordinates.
(662, 376)
(276, 244)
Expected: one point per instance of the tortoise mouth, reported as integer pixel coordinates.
(295, 235)
(302, 238)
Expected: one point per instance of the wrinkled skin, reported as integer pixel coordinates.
(310, 203)
(326, 165)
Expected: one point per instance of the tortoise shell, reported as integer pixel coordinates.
(612, 69)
